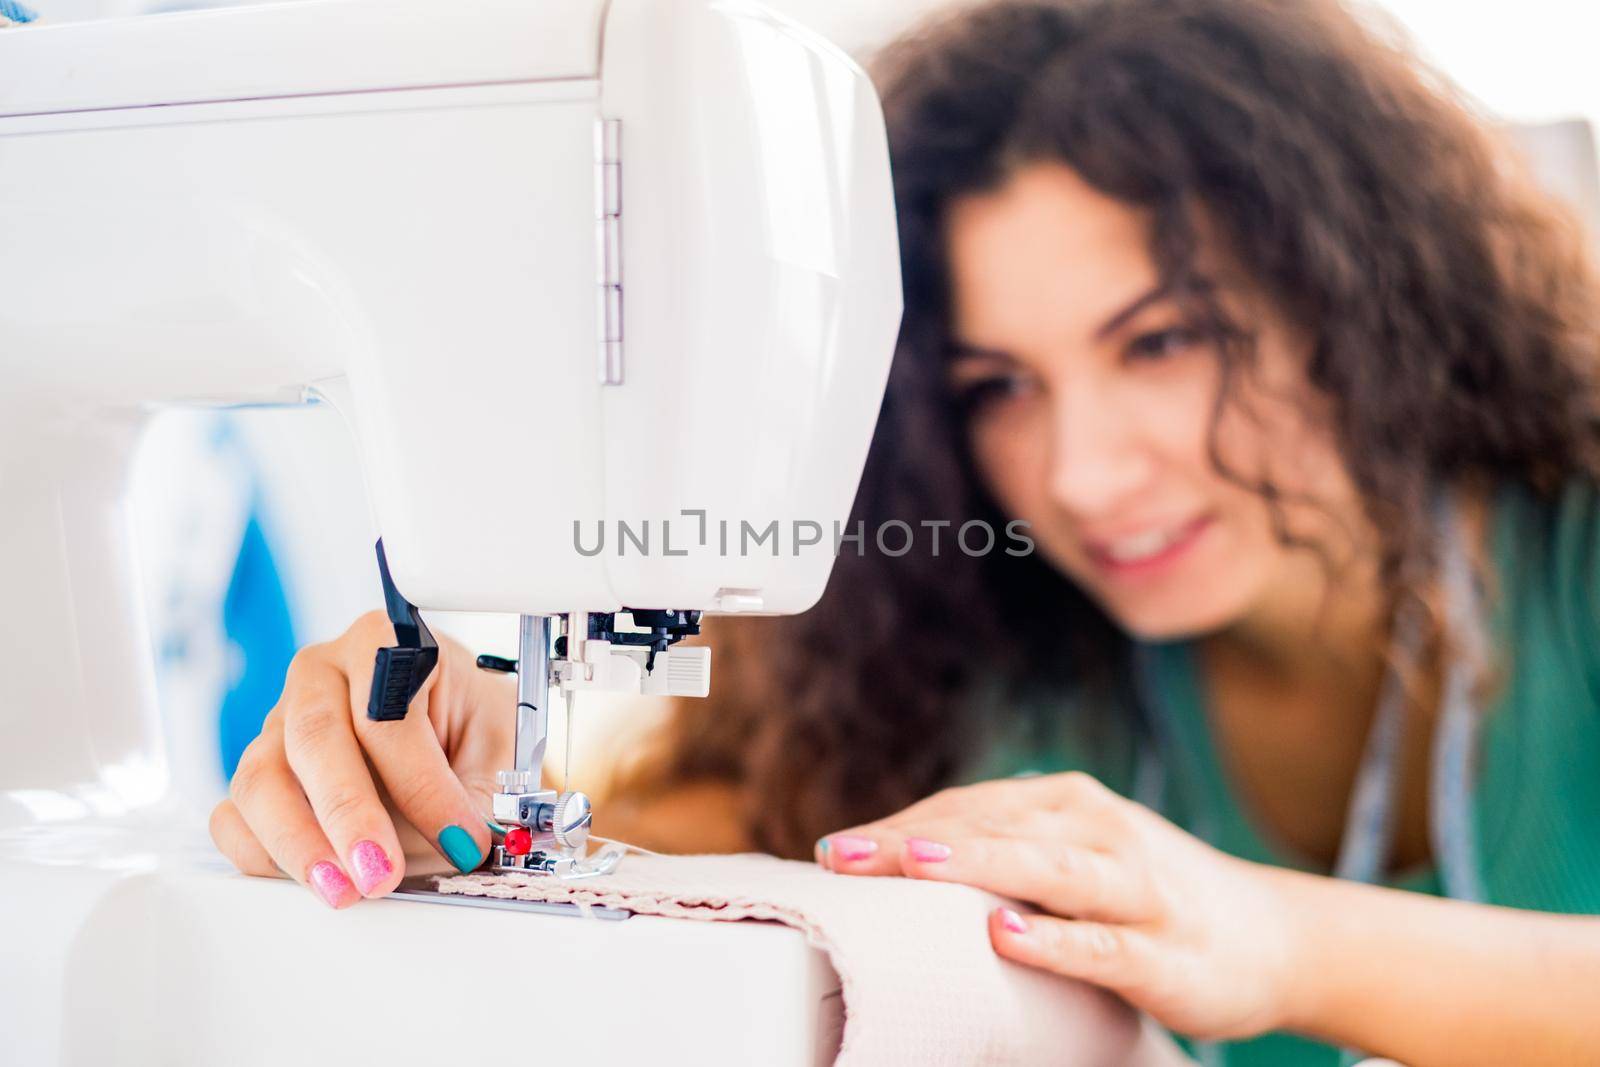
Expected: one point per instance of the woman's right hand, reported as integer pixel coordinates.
(344, 805)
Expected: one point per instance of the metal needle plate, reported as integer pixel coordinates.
(418, 889)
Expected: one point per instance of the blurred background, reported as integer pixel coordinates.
(253, 529)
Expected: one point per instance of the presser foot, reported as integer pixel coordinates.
(528, 862)
(566, 866)
(549, 833)
(546, 832)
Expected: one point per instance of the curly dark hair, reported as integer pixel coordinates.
(1453, 313)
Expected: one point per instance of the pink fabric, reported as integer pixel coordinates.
(921, 983)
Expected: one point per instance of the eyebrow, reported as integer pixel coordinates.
(1161, 291)
(964, 349)
(1156, 294)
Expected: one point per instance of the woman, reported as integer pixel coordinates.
(1293, 380)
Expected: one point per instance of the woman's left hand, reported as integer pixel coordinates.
(1201, 941)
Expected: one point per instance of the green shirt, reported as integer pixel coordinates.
(1537, 797)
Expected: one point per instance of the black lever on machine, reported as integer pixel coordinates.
(398, 673)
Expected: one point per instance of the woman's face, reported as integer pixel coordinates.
(1092, 399)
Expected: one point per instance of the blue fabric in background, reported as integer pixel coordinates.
(256, 620)
(16, 12)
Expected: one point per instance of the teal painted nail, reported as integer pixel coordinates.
(460, 849)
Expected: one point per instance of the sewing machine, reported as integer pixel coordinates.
(568, 268)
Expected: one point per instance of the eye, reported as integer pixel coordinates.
(980, 394)
(1160, 344)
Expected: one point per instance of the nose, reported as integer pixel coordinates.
(1098, 460)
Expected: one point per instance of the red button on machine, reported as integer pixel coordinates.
(519, 841)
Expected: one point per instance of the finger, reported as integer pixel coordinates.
(1065, 879)
(411, 761)
(878, 848)
(1040, 792)
(235, 841)
(1119, 958)
(991, 798)
(322, 750)
(867, 850)
(999, 807)
(874, 848)
(268, 798)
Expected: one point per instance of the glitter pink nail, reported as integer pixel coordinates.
(1012, 921)
(924, 851)
(851, 848)
(331, 885)
(370, 864)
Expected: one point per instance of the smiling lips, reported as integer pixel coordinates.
(1148, 551)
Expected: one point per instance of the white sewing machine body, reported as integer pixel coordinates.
(561, 265)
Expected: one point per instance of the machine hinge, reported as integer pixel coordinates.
(608, 238)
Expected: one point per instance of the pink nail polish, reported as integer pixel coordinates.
(924, 851)
(1012, 921)
(370, 864)
(851, 849)
(331, 885)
